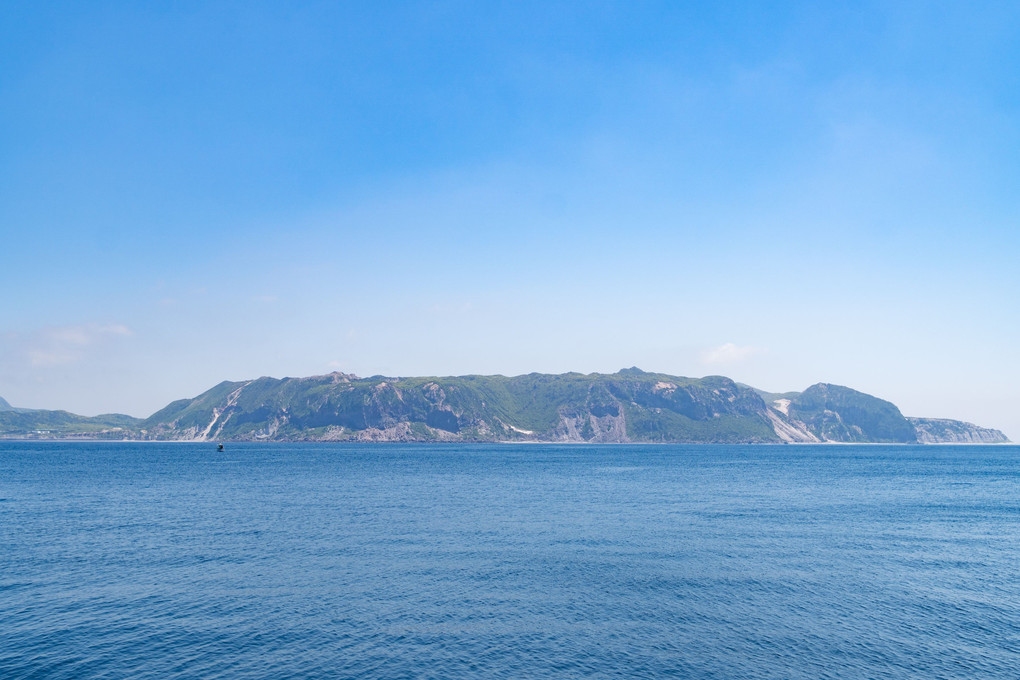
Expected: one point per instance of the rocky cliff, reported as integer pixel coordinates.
(628, 406)
(943, 431)
(840, 414)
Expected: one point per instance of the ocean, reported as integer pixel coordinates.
(170, 560)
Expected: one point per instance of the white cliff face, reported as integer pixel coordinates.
(604, 429)
(630, 405)
(782, 405)
(789, 431)
(945, 431)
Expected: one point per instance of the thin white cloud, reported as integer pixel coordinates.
(67, 344)
(85, 334)
(729, 353)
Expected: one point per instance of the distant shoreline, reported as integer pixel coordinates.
(629, 406)
(459, 443)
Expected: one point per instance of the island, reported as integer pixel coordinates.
(628, 406)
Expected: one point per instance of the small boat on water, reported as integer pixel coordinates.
(220, 447)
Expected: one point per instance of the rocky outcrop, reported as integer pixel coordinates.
(839, 414)
(628, 406)
(944, 431)
(789, 431)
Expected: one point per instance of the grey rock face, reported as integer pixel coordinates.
(945, 431)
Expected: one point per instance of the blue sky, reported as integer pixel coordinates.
(782, 193)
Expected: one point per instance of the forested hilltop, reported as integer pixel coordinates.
(628, 406)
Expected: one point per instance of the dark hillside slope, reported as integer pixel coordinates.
(627, 406)
(836, 413)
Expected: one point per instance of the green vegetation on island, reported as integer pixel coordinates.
(836, 413)
(31, 423)
(628, 406)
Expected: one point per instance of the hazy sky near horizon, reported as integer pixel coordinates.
(783, 193)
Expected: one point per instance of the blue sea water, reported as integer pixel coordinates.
(124, 560)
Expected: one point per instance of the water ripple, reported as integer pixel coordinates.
(132, 561)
